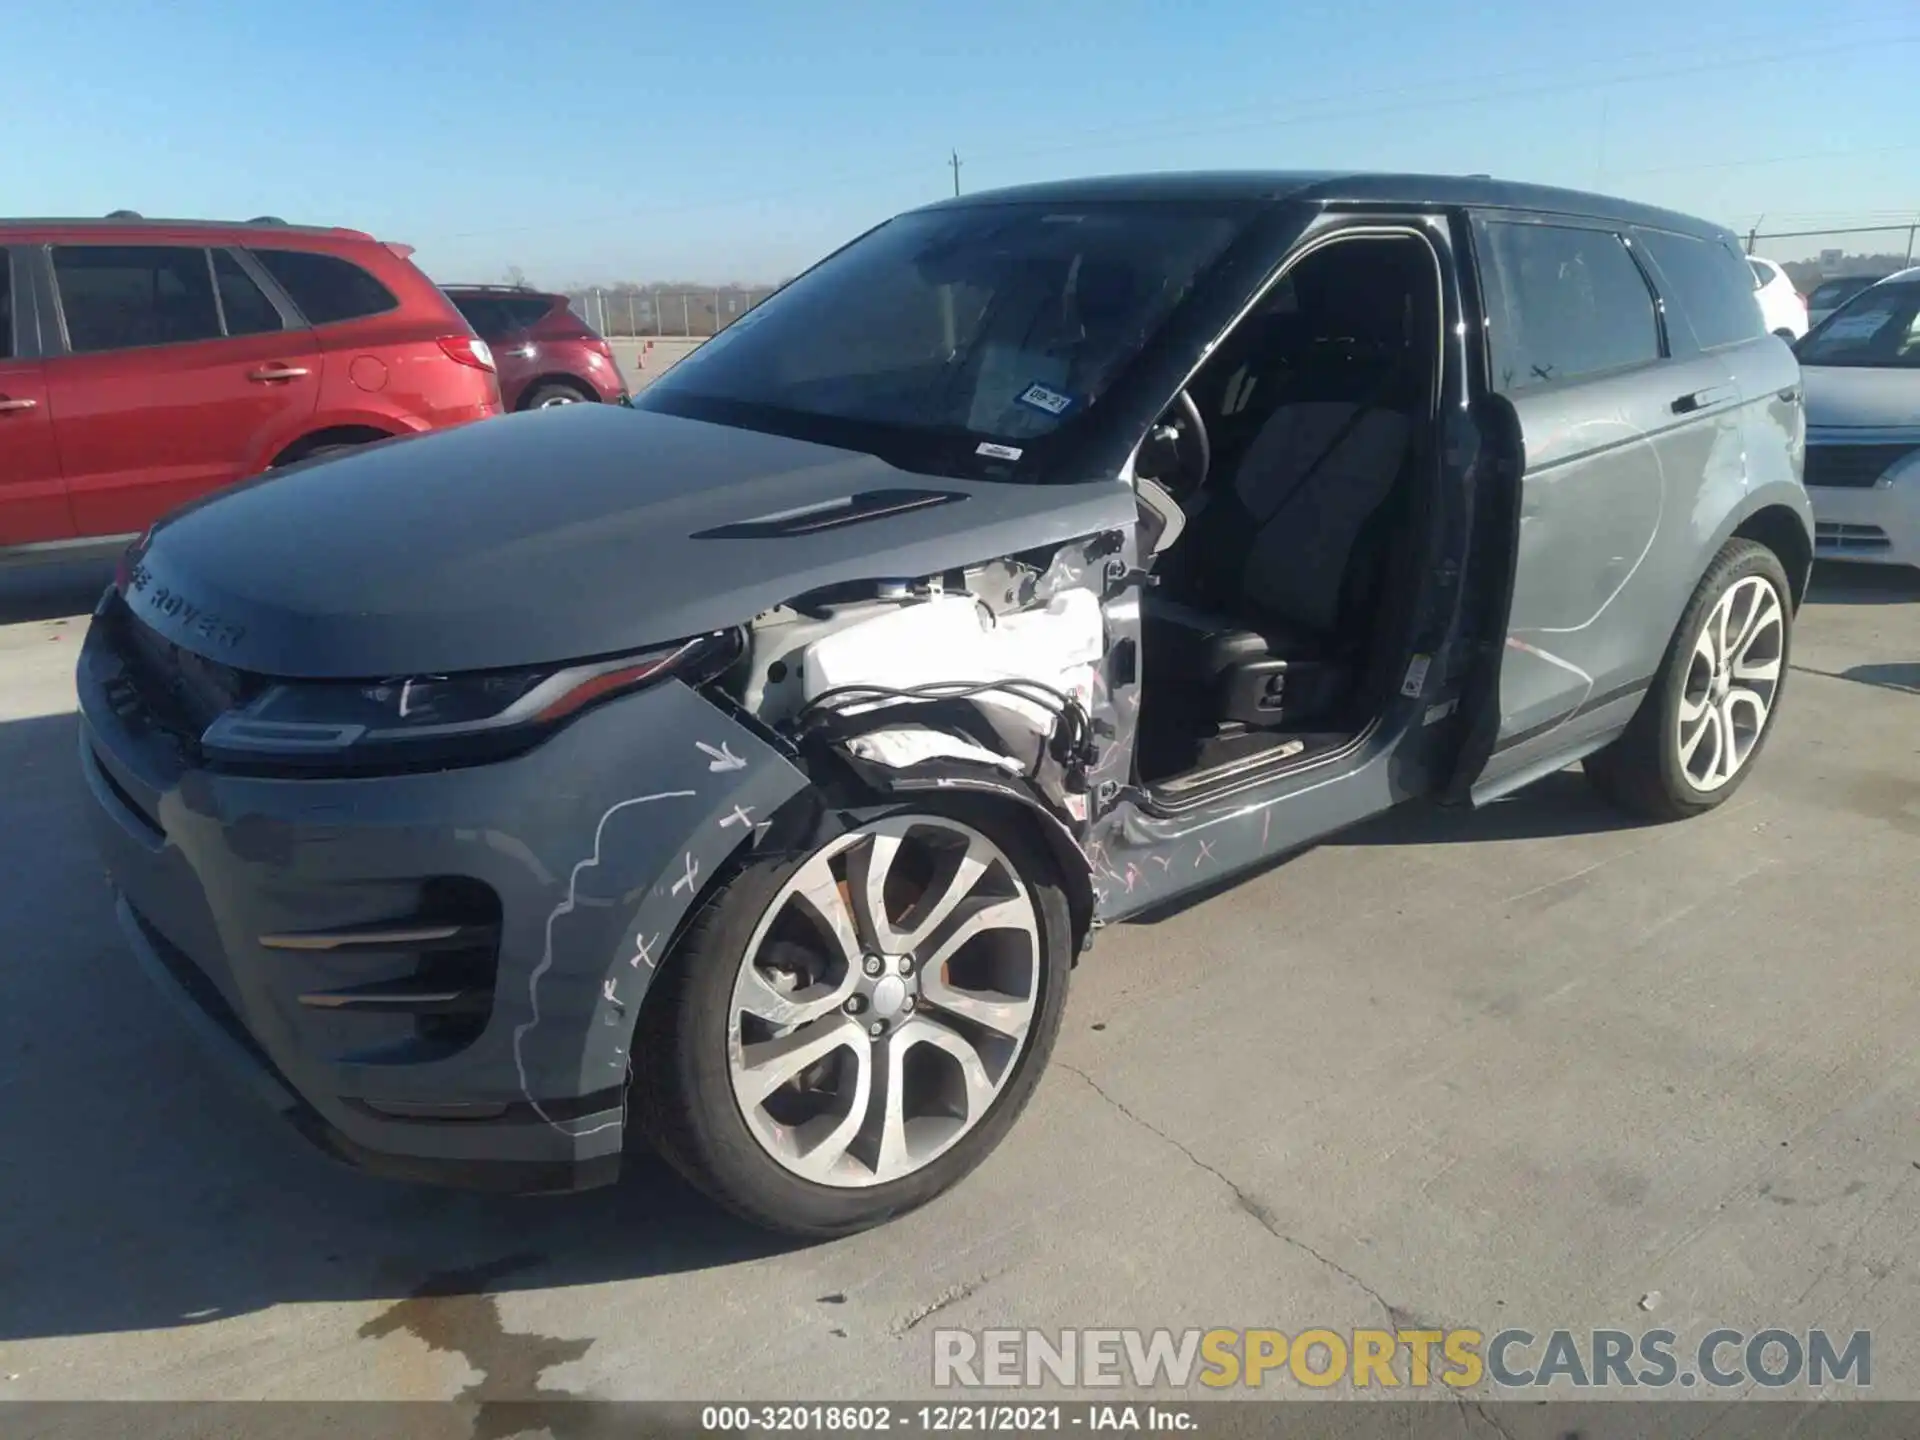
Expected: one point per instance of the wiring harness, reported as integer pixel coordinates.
(1069, 741)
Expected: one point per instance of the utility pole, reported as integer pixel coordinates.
(1753, 235)
(955, 162)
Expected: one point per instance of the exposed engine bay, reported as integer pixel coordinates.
(999, 667)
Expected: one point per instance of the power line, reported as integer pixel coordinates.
(1419, 101)
(1760, 160)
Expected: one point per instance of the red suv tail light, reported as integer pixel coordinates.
(601, 346)
(468, 351)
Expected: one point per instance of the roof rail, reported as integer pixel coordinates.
(521, 289)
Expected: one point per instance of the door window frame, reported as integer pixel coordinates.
(30, 339)
(1273, 780)
(1686, 342)
(290, 316)
(1492, 295)
(60, 344)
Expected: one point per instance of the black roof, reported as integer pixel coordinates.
(1332, 187)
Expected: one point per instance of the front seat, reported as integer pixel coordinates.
(1271, 629)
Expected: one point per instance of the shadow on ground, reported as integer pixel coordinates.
(47, 592)
(1842, 584)
(139, 1192)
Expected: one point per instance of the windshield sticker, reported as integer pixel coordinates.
(1858, 327)
(999, 452)
(1041, 398)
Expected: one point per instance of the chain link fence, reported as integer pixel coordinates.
(642, 311)
(1812, 256)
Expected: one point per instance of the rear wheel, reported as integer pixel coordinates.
(549, 397)
(843, 1037)
(1701, 726)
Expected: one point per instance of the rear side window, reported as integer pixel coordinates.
(1706, 280)
(525, 312)
(326, 288)
(1564, 304)
(484, 314)
(1762, 273)
(120, 297)
(243, 303)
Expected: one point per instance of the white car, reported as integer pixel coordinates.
(1862, 374)
(1780, 304)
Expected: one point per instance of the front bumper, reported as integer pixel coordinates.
(1878, 525)
(579, 842)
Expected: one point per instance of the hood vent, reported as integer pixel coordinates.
(831, 515)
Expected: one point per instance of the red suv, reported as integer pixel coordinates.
(144, 363)
(547, 354)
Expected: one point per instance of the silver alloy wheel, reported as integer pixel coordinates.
(884, 1000)
(556, 399)
(1732, 678)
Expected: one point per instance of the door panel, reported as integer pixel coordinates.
(33, 498)
(1623, 448)
(147, 426)
(1613, 474)
(144, 431)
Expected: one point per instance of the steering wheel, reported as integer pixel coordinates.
(1202, 444)
(1177, 452)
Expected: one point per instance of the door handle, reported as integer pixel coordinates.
(269, 373)
(7, 406)
(1699, 400)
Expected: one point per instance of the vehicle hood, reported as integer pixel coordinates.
(556, 535)
(1857, 397)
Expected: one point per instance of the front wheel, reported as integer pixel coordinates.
(1701, 726)
(844, 1036)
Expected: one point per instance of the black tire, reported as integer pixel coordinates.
(316, 452)
(1641, 772)
(554, 393)
(683, 1098)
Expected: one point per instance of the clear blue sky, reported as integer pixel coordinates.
(741, 139)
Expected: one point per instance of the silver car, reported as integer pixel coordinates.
(747, 770)
(1862, 369)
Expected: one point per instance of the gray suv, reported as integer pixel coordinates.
(748, 770)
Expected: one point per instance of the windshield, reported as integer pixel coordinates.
(1829, 293)
(961, 341)
(1878, 327)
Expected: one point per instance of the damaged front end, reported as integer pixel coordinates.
(1013, 679)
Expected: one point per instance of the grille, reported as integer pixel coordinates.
(168, 687)
(1852, 538)
(1851, 467)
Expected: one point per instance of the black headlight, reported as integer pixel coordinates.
(436, 719)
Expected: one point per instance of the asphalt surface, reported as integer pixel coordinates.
(1529, 1066)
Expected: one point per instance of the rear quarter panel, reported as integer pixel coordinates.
(391, 365)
